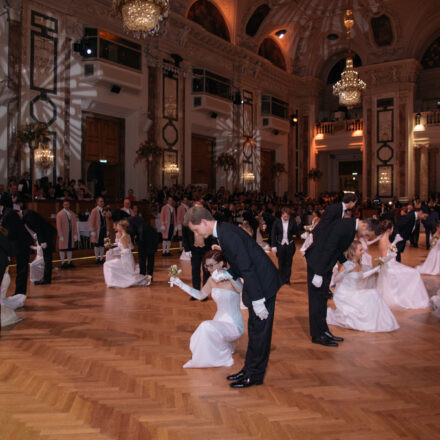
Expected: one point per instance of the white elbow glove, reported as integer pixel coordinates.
(370, 272)
(317, 281)
(397, 238)
(260, 309)
(274, 250)
(188, 289)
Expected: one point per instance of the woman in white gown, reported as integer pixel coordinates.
(212, 342)
(120, 268)
(357, 307)
(400, 286)
(8, 315)
(431, 266)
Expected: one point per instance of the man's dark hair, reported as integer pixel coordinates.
(373, 225)
(195, 215)
(349, 197)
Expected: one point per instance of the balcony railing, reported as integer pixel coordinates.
(339, 127)
(432, 118)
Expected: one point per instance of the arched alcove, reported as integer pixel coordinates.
(335, 72)
(431, 58)
(270, 50)
(256, 19)
(206, 14)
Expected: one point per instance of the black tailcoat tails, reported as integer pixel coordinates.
(405, 226)
(321, 258)
(261, 280)
(45, 234)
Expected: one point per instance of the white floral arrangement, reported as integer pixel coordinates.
(173, 272)
(380, 261)
(393, 248)
(308, 228)
(434, 240)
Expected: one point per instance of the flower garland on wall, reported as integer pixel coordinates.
(314, 174)
(226, 161)
(147, 152)
(33, 134)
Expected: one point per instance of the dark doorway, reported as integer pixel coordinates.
(103, 155)
(267, 179)
(202, 163)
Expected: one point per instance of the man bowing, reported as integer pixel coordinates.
(261, 283)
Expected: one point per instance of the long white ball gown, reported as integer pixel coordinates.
(36, 268)
(401, 286)
(212, 342)
(359, 308)
(431, 266)
(120, 269)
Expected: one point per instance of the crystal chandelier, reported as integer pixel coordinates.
(249, 177)
(172, 169)
(141, 17)
(43, 157)
(349, 88)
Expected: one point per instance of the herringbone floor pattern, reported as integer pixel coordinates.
(90, 363)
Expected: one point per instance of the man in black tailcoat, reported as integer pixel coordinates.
(321, 257)
(406, 226)
(283, 231)
(144, 236)
(334, 212)
(262, 281)
(45, 234)
(19, 240)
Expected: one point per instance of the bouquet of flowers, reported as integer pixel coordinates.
(393, 248)
(173, 271)
(434, 240)
(107, 243)
(308, 228)
(380, 261)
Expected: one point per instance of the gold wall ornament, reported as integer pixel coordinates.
(141, 17)
(44, 157)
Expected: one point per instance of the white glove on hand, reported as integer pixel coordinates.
(260, 309)
(274, 250)
(317, 281)
(175, 281)
(43, 245)
(397, 238)
(189, 254)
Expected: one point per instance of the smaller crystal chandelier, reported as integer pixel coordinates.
(141, 17)
(249, 177)
(349, 88)
(43, 157)
(172, 169)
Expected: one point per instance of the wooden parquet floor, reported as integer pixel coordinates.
(91, 363)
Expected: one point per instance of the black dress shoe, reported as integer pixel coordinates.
(333, 337)
(41, 282)
(70, 265)
(236, 376)
(192, 298)
(245, 382)
(323, 340)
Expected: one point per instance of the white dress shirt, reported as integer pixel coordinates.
(285, 239)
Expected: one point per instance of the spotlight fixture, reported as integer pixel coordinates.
(280, 34)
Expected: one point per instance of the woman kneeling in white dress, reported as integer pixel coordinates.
(400, 286)
(431, 266)
(359, 308)
(212, 342)
(120, 268)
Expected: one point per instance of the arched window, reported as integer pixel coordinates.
(270, 50)
(206, 14)
(335, 73)
(382, 30)
(431, 58)
(257, 18)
